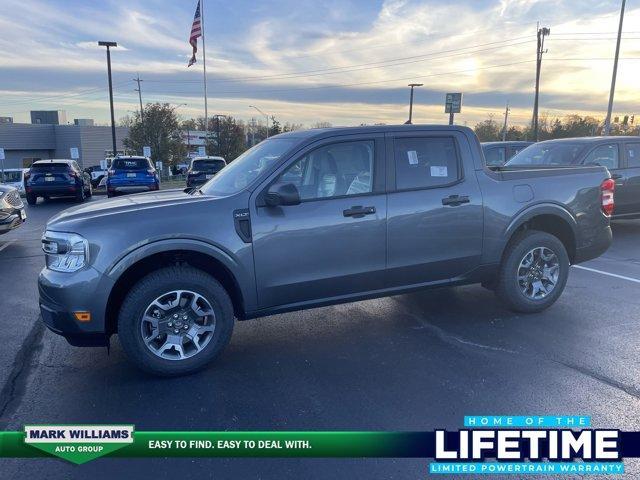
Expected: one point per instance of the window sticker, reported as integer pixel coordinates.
(631, 153)
(413, 157)
(438, 171)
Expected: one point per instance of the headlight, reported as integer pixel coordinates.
(65, 252)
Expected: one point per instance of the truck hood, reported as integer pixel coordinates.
(119, 205)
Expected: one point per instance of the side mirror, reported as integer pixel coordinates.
(282, 194)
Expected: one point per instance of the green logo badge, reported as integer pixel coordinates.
(78, 443)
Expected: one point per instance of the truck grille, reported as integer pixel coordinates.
(13, 199)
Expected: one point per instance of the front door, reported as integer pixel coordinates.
(434, 214)
(333, 243)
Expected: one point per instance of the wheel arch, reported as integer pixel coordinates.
(149, 258)
(550, 218)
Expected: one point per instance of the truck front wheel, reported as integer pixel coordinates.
(175, 321)
(533, 273)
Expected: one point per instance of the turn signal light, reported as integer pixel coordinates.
(607, 189)
(82, 316)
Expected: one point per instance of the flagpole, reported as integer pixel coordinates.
(204, 69)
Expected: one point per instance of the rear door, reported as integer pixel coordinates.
(628, 198)
(434, 208)
(332, 244)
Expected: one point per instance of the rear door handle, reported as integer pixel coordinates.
(359, 211)
(455, 200)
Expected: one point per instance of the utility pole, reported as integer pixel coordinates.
(542, 32)
(607, 122)
(266, 116)
(113, 121)
(506, 117)
(412, 85)
(139, 90)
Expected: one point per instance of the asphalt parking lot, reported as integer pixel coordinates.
(411, 362)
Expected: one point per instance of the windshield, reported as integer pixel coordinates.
(547, 154)
(12, 177)
(208, 165)
(131, 164)
(240, 173)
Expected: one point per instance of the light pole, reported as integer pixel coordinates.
(412, 85)
(266, 116)
(113, 121)
(607, 122)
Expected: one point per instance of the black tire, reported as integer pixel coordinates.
(508, 288)
(80, 195)
(89, 191)
(110, 195)
(151, 287)
(31, 199)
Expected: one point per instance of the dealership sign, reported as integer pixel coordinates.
(78, 443)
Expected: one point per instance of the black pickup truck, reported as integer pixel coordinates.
(620, 155)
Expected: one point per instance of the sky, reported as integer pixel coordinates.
(346, 62)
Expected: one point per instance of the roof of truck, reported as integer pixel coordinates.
(609, 138)
(325, 132)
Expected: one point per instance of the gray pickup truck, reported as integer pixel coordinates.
(313, 218)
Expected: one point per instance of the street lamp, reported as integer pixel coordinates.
(267, 117)
(412, 85)
(113, 121)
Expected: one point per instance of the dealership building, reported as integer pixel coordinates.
(23, 143)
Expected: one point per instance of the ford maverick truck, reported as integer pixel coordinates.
(312, 218)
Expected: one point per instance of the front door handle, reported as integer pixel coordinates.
(455, 200)
(359, 211)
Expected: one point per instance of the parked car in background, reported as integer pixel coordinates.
(12, 213)
(97, 173)
(312, 218)
(14, 177)
(203, 169)
(131, 174)
(57, 178)
(497, 154)
(620, 155)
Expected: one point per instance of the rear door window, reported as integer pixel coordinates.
(425, 162)
(495, 156)
(131, 164)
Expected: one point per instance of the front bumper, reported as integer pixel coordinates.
(61, 294)
(11, 218)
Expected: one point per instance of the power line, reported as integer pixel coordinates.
(369, 65)
(61, 95)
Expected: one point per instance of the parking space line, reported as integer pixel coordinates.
(2, 247)
(615, 275)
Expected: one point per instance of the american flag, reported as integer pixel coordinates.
(196, 31)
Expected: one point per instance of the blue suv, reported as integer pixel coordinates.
(56, 178)
(131, 175)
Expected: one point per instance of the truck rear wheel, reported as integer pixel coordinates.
(533, 273)
(175, 321)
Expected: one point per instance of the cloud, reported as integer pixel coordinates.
(304, 58)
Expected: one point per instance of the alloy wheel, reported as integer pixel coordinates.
(178, 325)
(538, 273)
